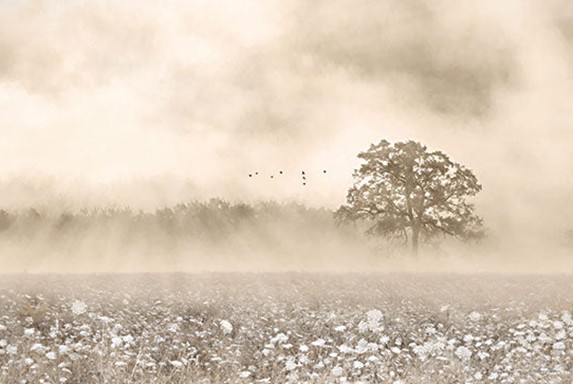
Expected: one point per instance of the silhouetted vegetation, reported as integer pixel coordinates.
(405, 191)
(213, 232)
(215, 219)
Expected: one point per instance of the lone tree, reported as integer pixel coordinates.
(408, 192)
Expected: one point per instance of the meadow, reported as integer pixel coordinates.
(285, 328)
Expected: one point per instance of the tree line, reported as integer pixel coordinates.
(402, 191)
(212, 219)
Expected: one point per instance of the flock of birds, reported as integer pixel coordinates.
(303, 175)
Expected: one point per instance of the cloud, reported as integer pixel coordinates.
(105, 91)
(442, 50)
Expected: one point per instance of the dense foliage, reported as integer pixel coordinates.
(406, 190)
(199, 235)
(213, 219)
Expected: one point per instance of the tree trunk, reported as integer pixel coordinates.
(415, 240)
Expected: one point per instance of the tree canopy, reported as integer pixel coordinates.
(408, 192)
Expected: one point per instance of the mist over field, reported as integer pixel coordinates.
(145, 106)
(286, 191)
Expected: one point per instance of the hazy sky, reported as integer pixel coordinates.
(153, 102)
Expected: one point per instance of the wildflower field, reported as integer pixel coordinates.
(286, 328)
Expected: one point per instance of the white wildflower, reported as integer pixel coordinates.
(421, 351)
(173, 327)
(463, 353)
(468, 338)
(482, 355)
(361, 346)
(290, 364)
(318, 343)
(363, 326)
(116, 342)
(79, 307)
(345, 349)
(75, 357)
(543, 338)
(128, 339)
(475, 316)
(374, 316)
(280, 338)
(337, 371)
(64, 349)
(559, 346)
(226, 327)
(561, 335)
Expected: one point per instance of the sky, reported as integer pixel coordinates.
(152, 103)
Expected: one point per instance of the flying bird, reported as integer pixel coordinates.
(281, 172)
(324, 171)
(250, 175)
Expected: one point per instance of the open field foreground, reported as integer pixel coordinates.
(286, 328)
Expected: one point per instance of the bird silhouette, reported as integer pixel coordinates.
(281, 172)
(303, 172)
(303, 183)
(250, 175)
(272, 176)
(256, 173)
(324, 171)
(304, 177)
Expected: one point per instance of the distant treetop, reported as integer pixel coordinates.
(406, 191)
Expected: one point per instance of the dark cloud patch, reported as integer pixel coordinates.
(280, 97)
(565, 27)
(560, 13)
(455, 66)
(259, 95)
(49, 50)
(31, 63)
(113, 43)
(6, 58)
